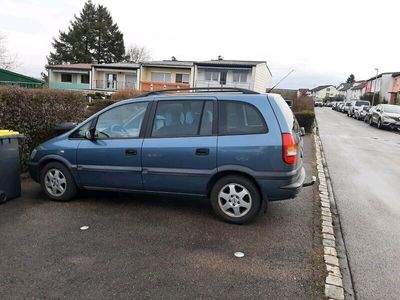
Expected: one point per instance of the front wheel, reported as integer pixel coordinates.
(57, 182)
(235, 199)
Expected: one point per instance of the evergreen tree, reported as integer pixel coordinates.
(91, 37)
(351, 79)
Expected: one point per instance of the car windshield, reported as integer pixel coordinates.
(394, 109)
(359, 103)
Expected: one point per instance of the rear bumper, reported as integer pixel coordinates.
(282, 189)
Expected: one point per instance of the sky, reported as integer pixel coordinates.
(322, 41)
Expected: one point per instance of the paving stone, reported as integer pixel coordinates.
(334, 292)
(328, 243)
(325, 204)
(331, 260)
(330, 250)
(328, 236)
(330, 279)
(332, 270)
(326, 223)
(327, 219)
(326, 213)
(326, 229)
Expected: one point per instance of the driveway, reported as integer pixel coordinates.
(364, 165)
(155, 247)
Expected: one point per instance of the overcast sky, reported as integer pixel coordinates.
(323, 41)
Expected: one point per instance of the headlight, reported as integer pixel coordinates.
(33, 154)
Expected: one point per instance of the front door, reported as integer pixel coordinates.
(180, 153)
(113, 158)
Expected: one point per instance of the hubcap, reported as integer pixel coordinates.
(234, 200)
(55, 182)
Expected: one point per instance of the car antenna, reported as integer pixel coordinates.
(280, 81)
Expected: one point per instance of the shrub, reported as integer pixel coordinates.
(35, 112)
(125, 94)
(303, 103)
(306, 119)
(96, 106)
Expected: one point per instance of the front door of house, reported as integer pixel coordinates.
(111, 81)
(130, 81)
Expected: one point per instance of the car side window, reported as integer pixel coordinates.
(240, 118)
(81, 131)
(183, 118)
(124, 121)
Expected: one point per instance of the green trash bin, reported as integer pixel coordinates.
(10, 181)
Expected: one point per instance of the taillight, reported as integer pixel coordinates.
(289, 147)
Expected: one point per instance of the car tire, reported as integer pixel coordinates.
(371, 122)
(57, 182)
(228, 196)
(379, 124)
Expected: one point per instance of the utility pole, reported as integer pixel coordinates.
(376, 79)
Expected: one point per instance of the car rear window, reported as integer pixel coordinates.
(236, 117)
(359, 103)
(287, 112)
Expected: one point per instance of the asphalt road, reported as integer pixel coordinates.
(155, 247)
(364, 165)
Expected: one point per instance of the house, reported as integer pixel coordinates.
(344, 89)
(253, 75)
(166, 74)
(69, 76)
(112, 77)
(358, 90)
(382, 86)
(12, 78)
(395, 93)
(289, 95)
(324, 91)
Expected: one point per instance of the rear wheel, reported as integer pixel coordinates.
(235, 199)
(57, 182)
(371, 122)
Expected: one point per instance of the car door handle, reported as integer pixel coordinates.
(130, 152)
(202, 151)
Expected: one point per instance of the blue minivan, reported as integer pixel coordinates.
(239, 148)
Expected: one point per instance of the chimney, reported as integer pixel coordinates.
(220, 57)
(173, 58)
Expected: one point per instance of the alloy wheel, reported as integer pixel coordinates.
(55, 182)
(234, 200)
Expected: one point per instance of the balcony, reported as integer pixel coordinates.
(149, 86)
(209, 83)
(113, 85)
(69, 86)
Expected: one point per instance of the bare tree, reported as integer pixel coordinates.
(137, 54)
(7, 61)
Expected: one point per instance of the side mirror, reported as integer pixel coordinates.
(90, 134)
(302, 131)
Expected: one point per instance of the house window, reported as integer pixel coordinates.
(85, 78)
(66, 77)
(182, 78)
(160, 77)
(240, 77)
(212, 76)
(328, 89)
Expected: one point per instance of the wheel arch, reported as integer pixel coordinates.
(58, 159)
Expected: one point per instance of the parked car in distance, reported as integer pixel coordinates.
(361, 111)
(386, 116)
(340, 107)
(318, 103)
(346, 107)
(239, 149)
(354, 105)
(368, 114)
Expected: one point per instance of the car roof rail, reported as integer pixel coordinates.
(201, 90)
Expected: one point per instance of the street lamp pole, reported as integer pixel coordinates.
(376, 79)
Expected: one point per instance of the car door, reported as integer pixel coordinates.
(112, 158)
(179, 151)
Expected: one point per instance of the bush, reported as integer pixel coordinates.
(96, 106)
(125, 94)
(306, 119)
(303, 103)
(35, 112)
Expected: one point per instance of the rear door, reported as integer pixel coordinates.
(179, 151)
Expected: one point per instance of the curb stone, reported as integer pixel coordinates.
(333, 281)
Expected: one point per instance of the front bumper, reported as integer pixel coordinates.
(34, 171)
(391, 123)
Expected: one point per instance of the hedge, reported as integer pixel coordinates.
(35, 112)
(306, 119)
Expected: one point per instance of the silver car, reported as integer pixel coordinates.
(386, 116)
